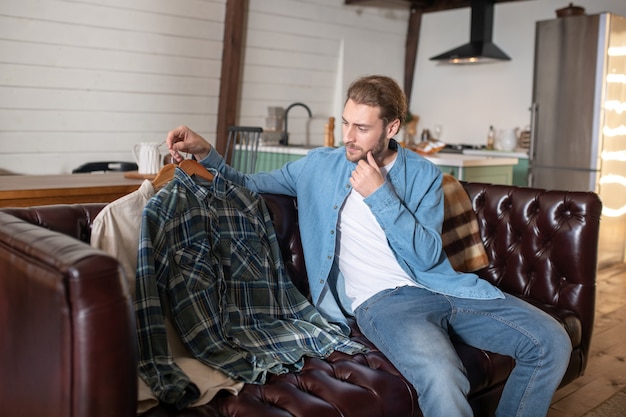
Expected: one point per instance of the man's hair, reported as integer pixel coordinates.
(382, 92)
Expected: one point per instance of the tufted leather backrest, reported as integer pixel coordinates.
(542, 245)
(284, 213)
(70, 219)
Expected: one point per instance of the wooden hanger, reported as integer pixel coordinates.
(164, 176)
(190, 166)
(193, 167)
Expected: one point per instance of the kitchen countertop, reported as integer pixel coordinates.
(289, 149)
(469, 158)
(462, 160)
(520, 154)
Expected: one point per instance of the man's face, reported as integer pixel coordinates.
(364, 131)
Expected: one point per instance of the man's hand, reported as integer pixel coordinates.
(183, 139)
(366, 177)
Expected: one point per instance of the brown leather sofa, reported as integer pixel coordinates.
(67, 346)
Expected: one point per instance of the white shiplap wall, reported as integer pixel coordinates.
(309, 51)
(85, 80)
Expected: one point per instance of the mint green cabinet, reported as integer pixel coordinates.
(520, 168)
(498, 174)
(267, 161)
(492, 174)
(520, 173)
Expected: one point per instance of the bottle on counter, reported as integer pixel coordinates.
(491, 138)
(329, 133)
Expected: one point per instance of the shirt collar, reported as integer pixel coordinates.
(201, 187)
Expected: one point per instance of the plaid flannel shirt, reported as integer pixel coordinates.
(209, 258)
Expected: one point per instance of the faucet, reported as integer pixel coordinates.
(285, 139)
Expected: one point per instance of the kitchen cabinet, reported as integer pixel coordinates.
(267, 161)
(476, 168)
(520, 170)
(490, 175)
(272, 157)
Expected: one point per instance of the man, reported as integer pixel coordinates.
(370, 217)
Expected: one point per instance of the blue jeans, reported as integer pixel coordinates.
(414, 327)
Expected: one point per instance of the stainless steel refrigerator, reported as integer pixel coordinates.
(578, 115)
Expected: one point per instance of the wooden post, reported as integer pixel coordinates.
(230, 80)
(410, 50)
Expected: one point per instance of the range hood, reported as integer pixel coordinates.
(480, 49)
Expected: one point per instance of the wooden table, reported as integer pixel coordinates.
(35, 190)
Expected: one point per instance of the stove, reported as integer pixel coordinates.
(460, 147)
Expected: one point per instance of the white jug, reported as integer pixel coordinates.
(148, 158)
(506, 140)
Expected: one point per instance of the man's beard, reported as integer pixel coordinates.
(376, 151)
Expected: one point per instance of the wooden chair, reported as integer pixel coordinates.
(242, 147)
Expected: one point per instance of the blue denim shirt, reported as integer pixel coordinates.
(409, 208)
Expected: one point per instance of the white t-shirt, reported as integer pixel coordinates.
(363, 253)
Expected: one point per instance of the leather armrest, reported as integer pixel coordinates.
(66, 325)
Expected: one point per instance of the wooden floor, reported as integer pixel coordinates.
(606, 370)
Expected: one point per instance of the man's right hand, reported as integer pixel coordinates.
(183, 139)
